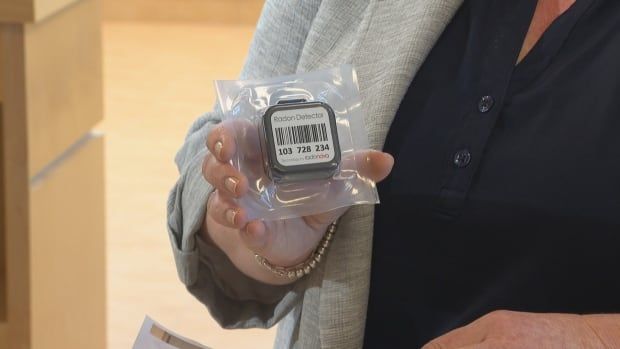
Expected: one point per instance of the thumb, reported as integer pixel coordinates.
(256, 236)
(374, 164)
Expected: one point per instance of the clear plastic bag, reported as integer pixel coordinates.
(299, 141)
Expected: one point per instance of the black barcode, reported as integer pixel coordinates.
(301, 134)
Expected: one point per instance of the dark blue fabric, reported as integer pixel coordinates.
(527, 216)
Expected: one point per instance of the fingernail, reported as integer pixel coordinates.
(218, 149)
(231, 184)
(231, 215)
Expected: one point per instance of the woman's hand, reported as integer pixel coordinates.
(283, 243)
(515, 330)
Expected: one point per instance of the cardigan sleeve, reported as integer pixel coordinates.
(233, 299)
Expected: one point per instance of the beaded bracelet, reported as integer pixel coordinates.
(305, 267)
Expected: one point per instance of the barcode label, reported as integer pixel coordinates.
(301, 134)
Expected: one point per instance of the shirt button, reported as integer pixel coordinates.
(462, 158)
(485, 104)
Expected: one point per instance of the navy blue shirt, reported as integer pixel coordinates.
(505, 193)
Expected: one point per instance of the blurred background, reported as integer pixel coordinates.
(95, 99)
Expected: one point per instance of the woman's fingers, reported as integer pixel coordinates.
(229, 183)
(256, 237)
(374, 164)
(221, 142)
(226, 139)
(224, 177)
(231, 136)
(224, 211)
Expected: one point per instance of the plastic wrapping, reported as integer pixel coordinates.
(300, 141)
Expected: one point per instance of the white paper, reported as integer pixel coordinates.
(154, 336)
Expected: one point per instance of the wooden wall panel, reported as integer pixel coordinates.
(46, 8)
(50, 71)
(68, 251)
(19, 11)
(3, 282)
(14, 139)
(1, 65)
(3, 285)
(218, 11)
(63, 79)
(16, 10)
(3, 335)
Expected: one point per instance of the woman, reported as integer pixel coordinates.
(499, 222)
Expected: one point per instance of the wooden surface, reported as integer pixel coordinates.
(63, 61)
(16, 179)
(16, 10)
(3, 329)
(47, 68)
(1, 85)
(211, 11)
(3, 285)
(19, 11)
(158, 79)
(48, 8)
(68, 251)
